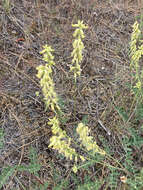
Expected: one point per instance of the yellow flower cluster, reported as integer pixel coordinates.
(135, 53)
(87, 140)
(61, 142)
(46, 81)
(78, 47)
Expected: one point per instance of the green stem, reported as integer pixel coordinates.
(75, 86)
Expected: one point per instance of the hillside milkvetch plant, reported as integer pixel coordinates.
(46, 81)
(78, 47)
(136, 51)
(60, 141)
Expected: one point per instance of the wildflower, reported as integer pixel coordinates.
(87, 140)
(46, 81)
(136, 51)
(78, 47)
(61, 142)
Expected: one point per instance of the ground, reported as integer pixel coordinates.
(25, 27)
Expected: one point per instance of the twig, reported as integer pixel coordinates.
(107, 130)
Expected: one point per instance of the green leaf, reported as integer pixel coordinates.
(122, 113)
(1, 138)
(6, 173)
(85, 119)
(34, 166)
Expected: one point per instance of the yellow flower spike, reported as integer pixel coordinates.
(61, 142)
(86, 140)
(136, 52)
(78, 47)
(46, 81)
